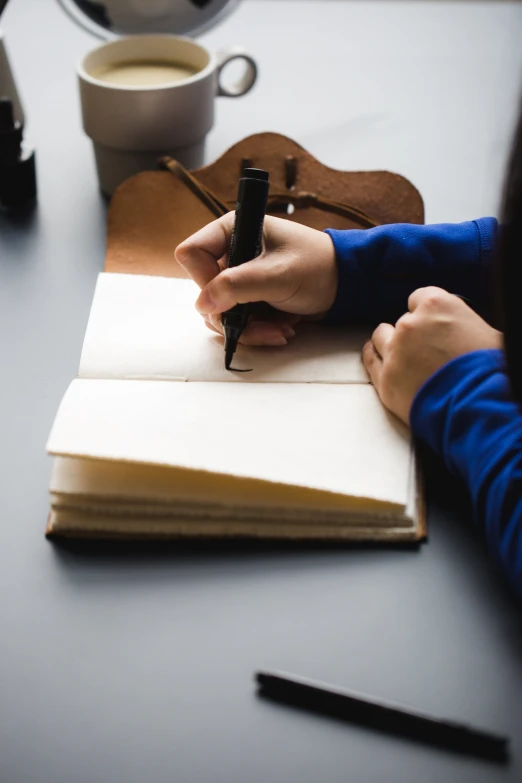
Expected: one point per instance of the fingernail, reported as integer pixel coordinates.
(288, 331)
(205, 303)
(275, 340)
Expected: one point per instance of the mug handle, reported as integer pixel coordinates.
(247, 79)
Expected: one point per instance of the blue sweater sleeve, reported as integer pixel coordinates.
(380, 267)
(465, 413)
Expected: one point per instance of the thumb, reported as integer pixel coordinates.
(259, 280)
(430, 295)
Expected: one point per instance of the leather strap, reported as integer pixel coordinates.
(301, 199)
(212, 202)
(277, 202)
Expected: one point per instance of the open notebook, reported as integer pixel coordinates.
(156, 439)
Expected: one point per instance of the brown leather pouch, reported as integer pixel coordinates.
(151, 213)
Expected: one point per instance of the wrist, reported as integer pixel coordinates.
(328, 282)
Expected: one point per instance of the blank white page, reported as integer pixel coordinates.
(335, 438)
(147, 328)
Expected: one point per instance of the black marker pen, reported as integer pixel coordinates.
(382, 715)
(245, 244)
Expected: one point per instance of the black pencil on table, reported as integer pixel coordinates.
(384, 716)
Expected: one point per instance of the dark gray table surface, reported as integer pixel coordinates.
(134, 666)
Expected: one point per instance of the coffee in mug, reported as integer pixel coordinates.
(145, 74)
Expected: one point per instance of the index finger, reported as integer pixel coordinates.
(200, 254)
(382, 338)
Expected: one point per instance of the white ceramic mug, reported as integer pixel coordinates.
(131, 126)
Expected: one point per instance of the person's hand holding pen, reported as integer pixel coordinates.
(295, 275)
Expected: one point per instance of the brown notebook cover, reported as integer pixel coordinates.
(151, 213)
